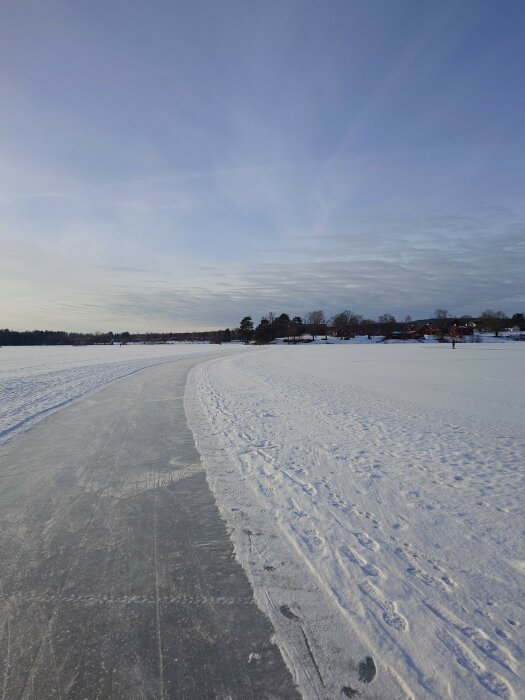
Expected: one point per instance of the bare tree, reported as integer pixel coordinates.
(388, 323)
(494, 321)
(441, 321)
(408, 321)
(355, 321)
(316, 321)
(346, 324)
(340, 324)
(368, 326)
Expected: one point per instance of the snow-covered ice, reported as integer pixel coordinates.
(35, 381)
(375, 497)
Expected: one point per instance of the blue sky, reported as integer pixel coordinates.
(177, 165)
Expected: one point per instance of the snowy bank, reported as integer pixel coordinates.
(375, 497)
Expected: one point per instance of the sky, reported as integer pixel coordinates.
(175, 165)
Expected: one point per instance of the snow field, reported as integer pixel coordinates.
(35, 381)
(375, 496)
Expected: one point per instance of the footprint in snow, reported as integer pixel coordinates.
(367, 670)
(390, 614)
(464, 657)
(285, 610)
(312, 539)
(355, 558)
(366, 541)
(297, 510)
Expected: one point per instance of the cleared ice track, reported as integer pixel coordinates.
(118, 579)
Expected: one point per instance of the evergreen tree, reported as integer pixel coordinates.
(263, 333)
(246, 329)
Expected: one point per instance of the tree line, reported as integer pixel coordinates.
(347, 324)
(344, 325)
(9, 337)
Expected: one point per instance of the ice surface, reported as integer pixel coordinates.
(375, 497)
(116, 571)
(37, 380)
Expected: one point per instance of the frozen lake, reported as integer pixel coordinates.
(35, 381)
(117, 575)
(374, 496)
(383, 489)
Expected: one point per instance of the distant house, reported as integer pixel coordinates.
(461, 329)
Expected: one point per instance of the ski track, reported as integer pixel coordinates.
(391, 513)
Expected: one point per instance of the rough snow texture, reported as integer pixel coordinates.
(37, 380)
(375, 496)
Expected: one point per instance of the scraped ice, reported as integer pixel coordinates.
(35, 381)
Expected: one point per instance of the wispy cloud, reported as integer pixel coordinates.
(180, 170)
(394, 275)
